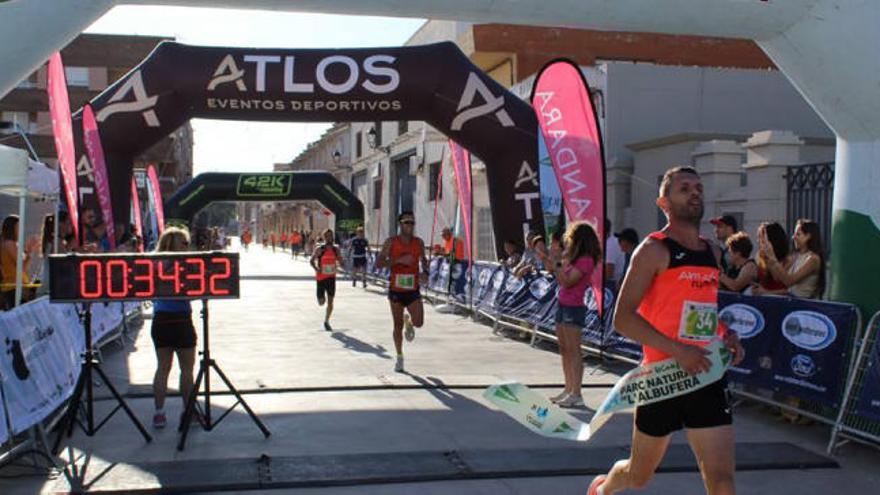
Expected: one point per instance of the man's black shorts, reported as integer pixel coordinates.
(328, 285)
(359, 262)
(704, 408)
(404, 297)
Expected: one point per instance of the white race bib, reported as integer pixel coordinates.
(699, 321)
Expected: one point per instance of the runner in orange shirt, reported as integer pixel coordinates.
(403, 254)
(669, 304)
(326, 261)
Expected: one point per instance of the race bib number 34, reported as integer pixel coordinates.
(405, 281)
(699, 321)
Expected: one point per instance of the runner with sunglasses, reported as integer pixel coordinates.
(403, 254)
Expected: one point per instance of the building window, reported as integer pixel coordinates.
(378, 127)
(434, 189)
(485, 235)
(377, 193)
(358, 145)
(77, 76)
(402, 127)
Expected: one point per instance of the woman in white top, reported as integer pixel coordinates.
(805, 276)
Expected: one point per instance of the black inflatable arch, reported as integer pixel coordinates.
(207, 188)
(435, 83)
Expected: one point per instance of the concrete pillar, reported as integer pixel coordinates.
(768, 156)
(720, 165)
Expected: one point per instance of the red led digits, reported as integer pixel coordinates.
(174, 276)
(123, 267)
(147, 277)
(227, 271)
(199, 277)
(84, 278)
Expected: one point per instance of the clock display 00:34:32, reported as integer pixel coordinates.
(195, 275)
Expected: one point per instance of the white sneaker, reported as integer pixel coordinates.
(410, 332)
(398, 365)
(571, 400)
(556, 398)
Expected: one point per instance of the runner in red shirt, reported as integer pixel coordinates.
(326, 260)
(668, 303)
(403, 254)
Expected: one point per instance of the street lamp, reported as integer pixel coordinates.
(373, 142)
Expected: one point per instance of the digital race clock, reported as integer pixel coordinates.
(120, 277)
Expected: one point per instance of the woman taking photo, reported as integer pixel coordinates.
(173, 333)
(804, 276)
(573, 271)
(771, 239)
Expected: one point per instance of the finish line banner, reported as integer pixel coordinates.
(641, 386)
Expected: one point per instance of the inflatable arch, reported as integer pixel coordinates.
(435, 83)
(207, 188)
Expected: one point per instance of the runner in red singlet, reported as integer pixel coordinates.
(325, 260)
(403, 254)
(668, 303)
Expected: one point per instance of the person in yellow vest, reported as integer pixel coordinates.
(326, 260)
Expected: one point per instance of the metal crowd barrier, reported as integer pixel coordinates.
(33, 440)
(849, 425)
(601, 340)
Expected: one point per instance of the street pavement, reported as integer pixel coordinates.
(325, 394)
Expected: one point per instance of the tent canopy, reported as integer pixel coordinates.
(19, 175)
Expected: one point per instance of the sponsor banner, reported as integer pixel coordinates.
(41, 362)
(265, 185)
(551, 195)
(567, 120)
(811, 353)
(136, 214)
(438, 275)
(458, 280)
(62, 129)
(641, 386)
(156, 197)
(95, 153)
(514, 299)
(748, 317)
(543, 291)
(435, 83)
(868, 403)
(491, 283)
(461, 166)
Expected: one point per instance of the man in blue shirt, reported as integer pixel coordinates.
(358, 248)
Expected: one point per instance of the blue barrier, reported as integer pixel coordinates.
(868, 402)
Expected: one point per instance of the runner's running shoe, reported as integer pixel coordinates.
(596, 485)
(556, 398)
(398, 365)
(571, 401)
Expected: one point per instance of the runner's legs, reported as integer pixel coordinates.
(416, 312)
(637, 471)
(714, 450)
(397, 316)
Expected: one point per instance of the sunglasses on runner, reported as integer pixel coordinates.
(408, 222)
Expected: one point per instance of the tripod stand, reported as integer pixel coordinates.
(205, 366)
(90, 363)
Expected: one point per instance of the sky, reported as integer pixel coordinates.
(226, 146)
